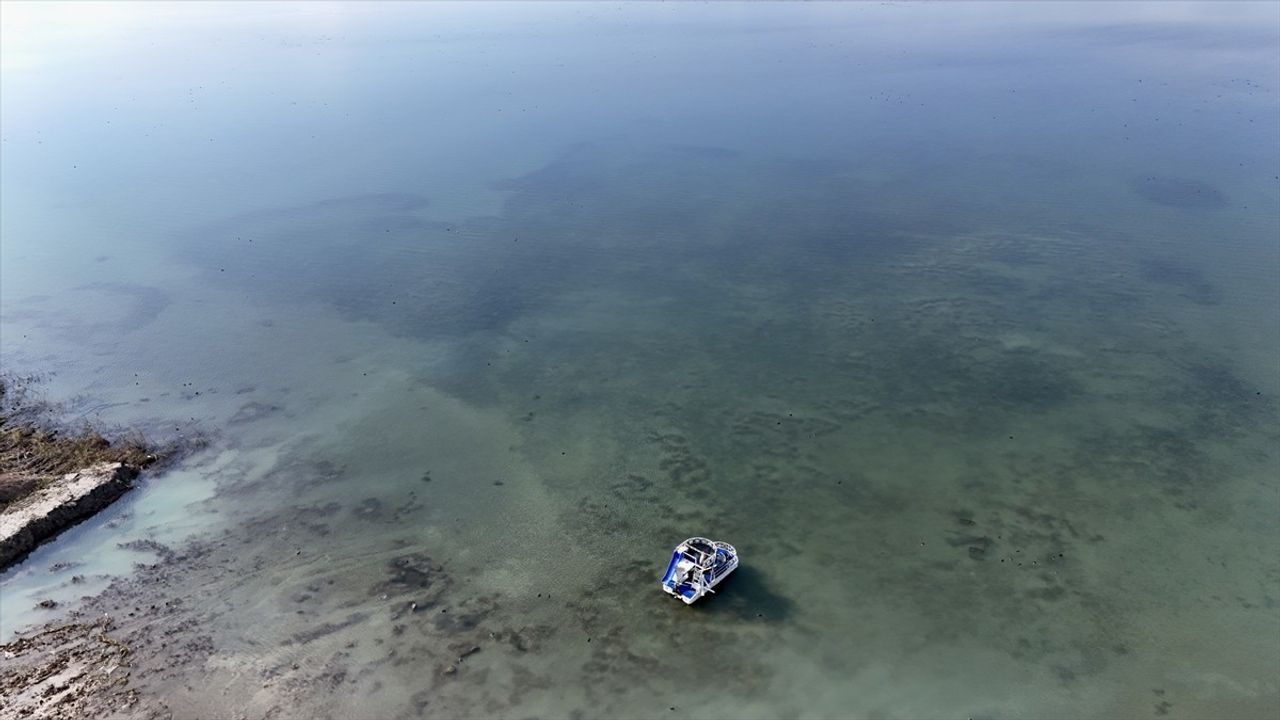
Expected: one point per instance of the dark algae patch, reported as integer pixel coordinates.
(1180, 193)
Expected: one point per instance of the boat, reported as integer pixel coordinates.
(698, 565)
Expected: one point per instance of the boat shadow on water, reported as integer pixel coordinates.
(747, 595)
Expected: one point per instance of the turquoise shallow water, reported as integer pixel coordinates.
(959, 322)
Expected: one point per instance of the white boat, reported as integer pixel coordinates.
(698, 565)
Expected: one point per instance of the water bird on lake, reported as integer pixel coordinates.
(698, 565)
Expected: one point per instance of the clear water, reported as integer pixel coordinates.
(959, 321)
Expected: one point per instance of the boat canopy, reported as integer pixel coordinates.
(700, 551)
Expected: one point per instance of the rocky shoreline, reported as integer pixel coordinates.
(51, 509)
(53, 476)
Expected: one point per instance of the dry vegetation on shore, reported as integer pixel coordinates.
(35, 451)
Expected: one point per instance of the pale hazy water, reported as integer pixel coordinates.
(960, 322)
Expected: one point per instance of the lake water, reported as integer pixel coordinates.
(960, 321)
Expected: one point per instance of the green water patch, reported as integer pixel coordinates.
(1006, 441)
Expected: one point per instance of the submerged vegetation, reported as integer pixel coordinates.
(952, 422)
